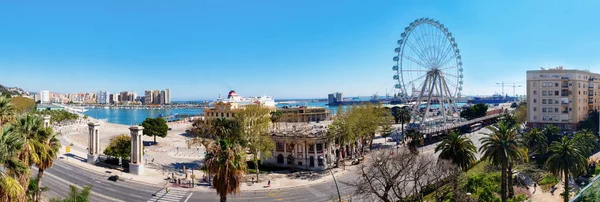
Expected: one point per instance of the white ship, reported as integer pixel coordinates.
(233, 97)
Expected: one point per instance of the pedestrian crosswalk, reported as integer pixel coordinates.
(172, 196)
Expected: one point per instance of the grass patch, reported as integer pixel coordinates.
(22, 104)
(480, 167)
(548, 181)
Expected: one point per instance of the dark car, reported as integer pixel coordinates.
(113, 178)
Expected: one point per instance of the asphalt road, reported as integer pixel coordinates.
(62, 174)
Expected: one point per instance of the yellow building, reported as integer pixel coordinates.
(304, 114)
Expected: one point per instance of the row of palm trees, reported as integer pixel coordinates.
(505, 147)
(24, 143)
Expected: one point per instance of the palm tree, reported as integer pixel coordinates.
(535, 141)
(47, 153)
(76, 195)
(28, 127)
(275, 117)
(12, 167)
(458, 149)
(403, 117)
(222, 127)
(415, 140)
(227, 162)
(7, 112)
(566, 158)
(502, 147)
(586, 141)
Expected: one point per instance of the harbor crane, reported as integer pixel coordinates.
(509, 84)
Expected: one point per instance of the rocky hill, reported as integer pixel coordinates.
(14, 91)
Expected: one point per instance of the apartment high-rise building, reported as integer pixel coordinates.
(103, 97)
(162, 97)
(167, 96)
(133, 96)
(561, 97)
(155, 97)
(148, 97)
(124, 96)
(44, 96)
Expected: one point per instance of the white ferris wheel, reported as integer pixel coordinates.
(428, 70)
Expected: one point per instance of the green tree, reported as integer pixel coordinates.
(475, 111)
(155, 127)
(458, 149)
(586, 142)
(590, 123)
(402, 116)
(34, 190)
(46, 152)
(76, 195)
(225, 128)
(29, 127)
(536, 141)
(415, 140)
(11, 167)
(502, 147)
(7, 111)
(275, 117)
(254, 128)
(520, 114)
(227, 162)
(119, 147)
(552, 133)
(566, 158)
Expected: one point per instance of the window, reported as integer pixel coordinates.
(320, 160)
(534, 117)
(543, 84)
(555, 109)
(543, 109)
(555, 84)
(227, 114)
(534, 109)
(232, 114)
(222, 114)
(280, 159)
(556, 93)
(555, 101)
(543, 101)
(290, 160)
(312, 161)
(543, 93)
(534, 100)
(319, 148)
(280, 147)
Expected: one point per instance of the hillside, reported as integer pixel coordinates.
(22, 104)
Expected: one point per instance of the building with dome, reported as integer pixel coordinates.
(227, 107)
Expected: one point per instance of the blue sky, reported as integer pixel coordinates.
(287, 49)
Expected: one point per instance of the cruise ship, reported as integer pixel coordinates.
(233, 97)
(494, 99)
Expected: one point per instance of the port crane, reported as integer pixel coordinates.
(509, 84)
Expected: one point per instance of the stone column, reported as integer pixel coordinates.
(46, 121)
(93, 142)
(285, 153)
(316, 156)
(136, 164)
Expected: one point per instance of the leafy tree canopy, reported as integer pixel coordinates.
(119, 147)
(155, 127)
(474, 111)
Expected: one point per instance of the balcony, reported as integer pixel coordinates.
(565, 112)
(564, 86)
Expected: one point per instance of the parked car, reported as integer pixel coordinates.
(113, 178)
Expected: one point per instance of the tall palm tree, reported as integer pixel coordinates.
(535, 141)
(11, 167)
(7, 111)
(223, 128)
(458, 149)
(75, 194)
(501, 147)
(47, 153)
(403, 117)
(566, 158)
(28, 127)
(586, 141)
(227, 162)
(275, 117)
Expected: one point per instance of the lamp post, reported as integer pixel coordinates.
(336, 186)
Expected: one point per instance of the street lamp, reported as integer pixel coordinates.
(336, 186)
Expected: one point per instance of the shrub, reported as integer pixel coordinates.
(548, 181)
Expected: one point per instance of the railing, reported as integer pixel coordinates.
(591, 192)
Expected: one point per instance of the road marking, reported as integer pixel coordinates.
(79, 187)
(188, 197)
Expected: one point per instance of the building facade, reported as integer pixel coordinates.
(148, 97)
(44, 96)
(561, 97)
(103, 97)
(227, 108)
(167, 96)
(304, 114)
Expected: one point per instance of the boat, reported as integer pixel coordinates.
(494, 99)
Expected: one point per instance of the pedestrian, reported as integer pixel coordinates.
(269, 183)
(534, 186)
(252, 180)
(152, 160)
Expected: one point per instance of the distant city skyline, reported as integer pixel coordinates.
(283, 49)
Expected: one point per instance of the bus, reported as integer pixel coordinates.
(474, 127)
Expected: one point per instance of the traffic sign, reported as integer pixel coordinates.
(68, 149)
